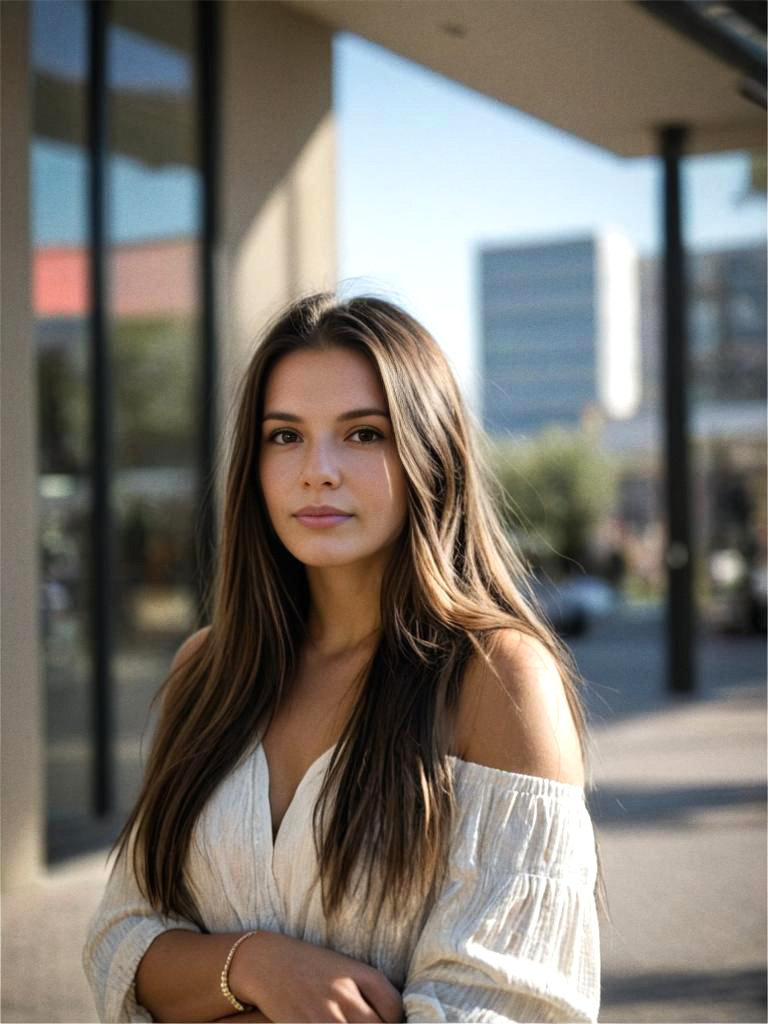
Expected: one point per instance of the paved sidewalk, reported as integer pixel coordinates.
(680, 813)
(42, 934)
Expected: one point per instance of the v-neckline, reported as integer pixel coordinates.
(275, 835)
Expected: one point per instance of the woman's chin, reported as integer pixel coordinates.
(327, 555)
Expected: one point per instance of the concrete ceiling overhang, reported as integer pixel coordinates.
(606, 71)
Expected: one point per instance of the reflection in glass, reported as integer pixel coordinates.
(60, 302)
(153, 202)
(154, 222)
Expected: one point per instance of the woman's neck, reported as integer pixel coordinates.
(337, 646)
(344, 608)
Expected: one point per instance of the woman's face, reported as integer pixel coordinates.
(314, 452)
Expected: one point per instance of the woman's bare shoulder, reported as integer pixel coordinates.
(190, 646)
(517, 717)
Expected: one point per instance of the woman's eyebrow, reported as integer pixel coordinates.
(353, 414)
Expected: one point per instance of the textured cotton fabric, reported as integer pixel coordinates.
(511, 936)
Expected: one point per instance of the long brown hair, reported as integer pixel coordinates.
(453, 580)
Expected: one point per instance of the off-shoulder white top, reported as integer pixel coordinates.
(512, 935)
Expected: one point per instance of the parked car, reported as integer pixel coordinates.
(572, 605)
(738, 593)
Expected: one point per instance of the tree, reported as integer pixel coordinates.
(557, 487)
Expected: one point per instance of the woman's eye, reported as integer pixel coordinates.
(367, 430)
(277, 433)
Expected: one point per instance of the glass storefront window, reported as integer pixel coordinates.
(154, 228)
(152, 203)
(60, 301)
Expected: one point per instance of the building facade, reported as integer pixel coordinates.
(726, 322)
(559, 332)
(727, 408)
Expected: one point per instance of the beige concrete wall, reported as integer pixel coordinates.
(22, 822)
(276, 174)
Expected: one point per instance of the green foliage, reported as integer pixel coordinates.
(62, 409)
(154, 402)
(155, 373)
(557, 487)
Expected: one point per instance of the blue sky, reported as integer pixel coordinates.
(430, 171)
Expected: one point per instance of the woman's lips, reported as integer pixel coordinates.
(318, 522)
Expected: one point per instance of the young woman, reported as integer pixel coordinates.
(366, 794)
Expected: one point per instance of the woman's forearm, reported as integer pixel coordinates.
(179, 977)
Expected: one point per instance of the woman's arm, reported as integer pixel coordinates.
(179, 977)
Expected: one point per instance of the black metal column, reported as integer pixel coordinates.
(679, 548)
(101, 568)
(208, 125)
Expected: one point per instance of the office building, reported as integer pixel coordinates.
(559, 333)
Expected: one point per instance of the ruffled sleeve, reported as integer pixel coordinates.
(513, 934)
(118, 935)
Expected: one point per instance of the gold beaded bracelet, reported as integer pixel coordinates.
(225, 977)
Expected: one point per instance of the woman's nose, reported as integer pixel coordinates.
(320, 465)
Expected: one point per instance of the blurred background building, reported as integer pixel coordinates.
(560, 332)
(728, 430)
(571, 337)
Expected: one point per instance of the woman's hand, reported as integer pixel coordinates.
(292, 980)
